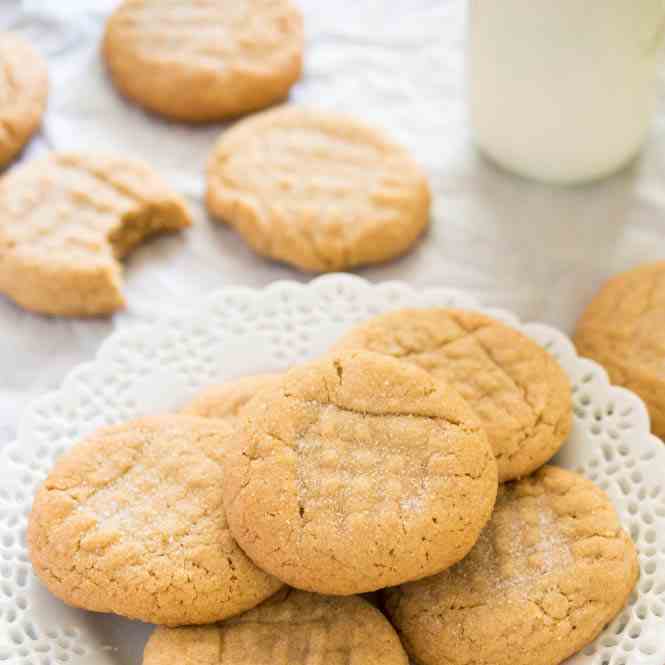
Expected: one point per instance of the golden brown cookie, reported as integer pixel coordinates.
(292, 628)
(23, 93)
(518, 390)
(550, 570)
(66, 219)
(131, 521)
(317, 190)
(227, 400)
(355, 472)
(623, 329)
(206, 60)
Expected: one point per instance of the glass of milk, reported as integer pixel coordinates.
(563, 91)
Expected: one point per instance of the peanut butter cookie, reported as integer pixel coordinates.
(228, 399)
(66, 219)
(207, 60)
(317, 190)
(550, 570)
(131, 521)
(623, 329)
(518, 390)
(23, 93)
(356, 471)
(292, 628)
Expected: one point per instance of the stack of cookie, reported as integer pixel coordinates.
(411, 460)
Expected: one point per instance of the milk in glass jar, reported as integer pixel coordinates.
(563, 90)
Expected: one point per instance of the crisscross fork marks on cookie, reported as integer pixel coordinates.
(521, 543)
(132, 521)
(236, 35)
(375, 471)
(66, 218)
(516, 388)
(352, 462)
(291, 628)
(207, 60)
(299, 640)
(550, 570)
(317, 190)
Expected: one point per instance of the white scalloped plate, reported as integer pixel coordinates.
(238, 331)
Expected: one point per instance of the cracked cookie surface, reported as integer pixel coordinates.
(317, 190)
(623, 329)
(355, 472)
(131, 521)
(518, 391)
(550, 570)
(227, 400)
(206, 60)
(66, 219)
(23, 93)
(292, 628)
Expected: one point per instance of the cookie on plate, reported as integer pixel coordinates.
(292, 628)
(356, 472)
(131, 521)
(317, 190)
(23, 93)
(204, 61)
(227, 399)
(66, 219)
(550, 570)
(518, 390)
(623, 329)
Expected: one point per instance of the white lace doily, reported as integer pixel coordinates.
(149, 369)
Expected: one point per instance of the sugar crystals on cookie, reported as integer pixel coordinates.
(550, 570)
(518, 391)
(131, 521)
(356, 472)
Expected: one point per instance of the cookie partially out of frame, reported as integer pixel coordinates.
(356, 472)
(23, 94)
(623, 329)
(518, 390)
(65, 221)
(317, 190)
(207, 60)
(292, 628)
(131, 521)
(551, 569)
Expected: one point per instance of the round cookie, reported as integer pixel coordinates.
(204, 61)
(23, 93)
(292, 628)
(356, 472)
(66, 219)
(227, 400)
(550, 570)
(623, 329)
(131, 521)
(317, 190)
(518, 390)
